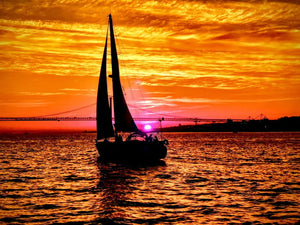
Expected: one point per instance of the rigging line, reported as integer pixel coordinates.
(149, 111)
(123, 68)
(71, 110)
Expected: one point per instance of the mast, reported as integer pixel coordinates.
(123, 118)
(104, 118)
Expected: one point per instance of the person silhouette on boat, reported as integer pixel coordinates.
(119, 138)
(149, 138)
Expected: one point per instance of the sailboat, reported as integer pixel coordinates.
(137, 146)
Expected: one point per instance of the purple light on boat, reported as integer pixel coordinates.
(147, 127)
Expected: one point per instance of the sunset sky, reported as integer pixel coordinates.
(207, 59)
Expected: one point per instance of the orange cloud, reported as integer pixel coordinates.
(206, 58)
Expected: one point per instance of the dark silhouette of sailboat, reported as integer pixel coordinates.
(137, 147)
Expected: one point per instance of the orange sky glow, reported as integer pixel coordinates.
(206, 59)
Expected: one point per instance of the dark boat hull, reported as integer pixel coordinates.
(132, 151)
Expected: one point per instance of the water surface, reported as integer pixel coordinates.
(207, 178)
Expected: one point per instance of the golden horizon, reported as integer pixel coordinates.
(216, 59)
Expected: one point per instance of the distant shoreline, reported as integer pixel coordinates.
(284, 124)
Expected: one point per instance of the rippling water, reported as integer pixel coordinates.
(207, 178)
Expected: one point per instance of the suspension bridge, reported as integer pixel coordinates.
(170, 119)
(69, 116)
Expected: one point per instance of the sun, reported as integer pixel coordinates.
(147, 127)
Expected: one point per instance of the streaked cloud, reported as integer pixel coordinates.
(41, 93)
(182, 52)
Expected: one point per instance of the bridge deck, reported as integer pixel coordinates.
(187, 119)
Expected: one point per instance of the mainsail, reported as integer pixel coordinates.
(104, 119)
(123, 118)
